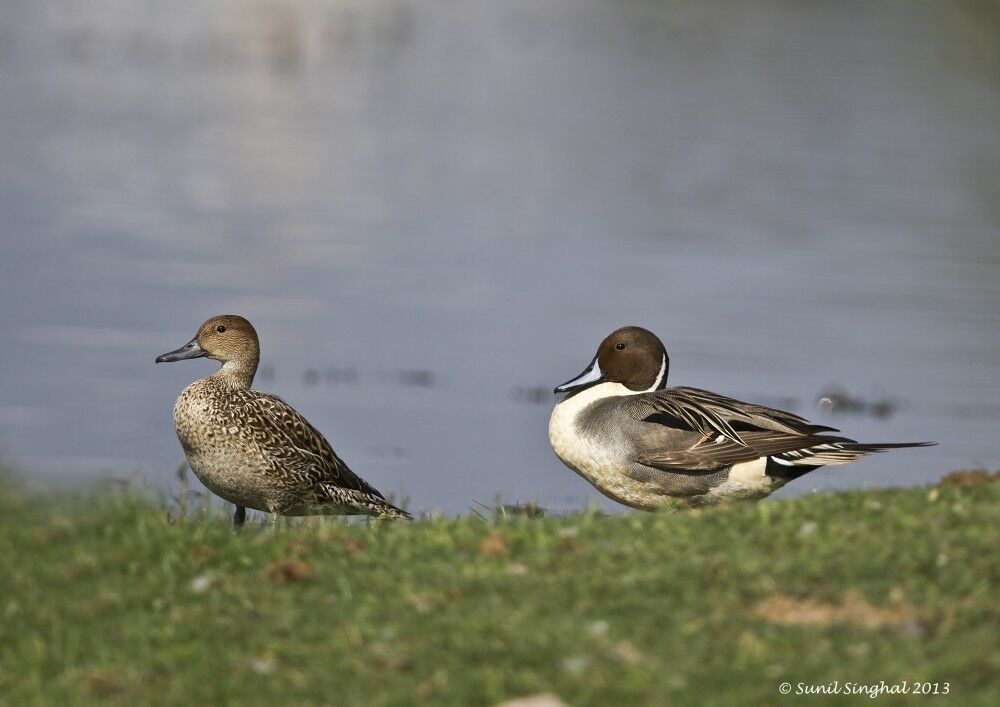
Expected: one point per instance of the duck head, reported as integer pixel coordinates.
(631, 356)
(228, 338)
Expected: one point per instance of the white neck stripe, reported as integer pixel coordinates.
(659, 377)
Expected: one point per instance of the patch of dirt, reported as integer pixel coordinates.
(853, 610)
(285, 571)
(353, 547)
(299, 548)
(969, 477)
(569, 546)
(493, 545)
(103, 684)
(625, 652)
(542, 699)
(201, 554)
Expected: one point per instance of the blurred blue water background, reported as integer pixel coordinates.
(433, 212)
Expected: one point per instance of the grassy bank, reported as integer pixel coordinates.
(103, 600)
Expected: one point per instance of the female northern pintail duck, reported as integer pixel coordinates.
(252, 448)
(649, 446)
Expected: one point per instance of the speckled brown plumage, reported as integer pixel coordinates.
(253, 449)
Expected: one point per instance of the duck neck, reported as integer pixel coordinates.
(661, 378)
(237, 373)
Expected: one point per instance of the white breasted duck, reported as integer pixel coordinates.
(649, 446)
(252, 448)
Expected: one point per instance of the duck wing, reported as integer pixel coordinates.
(713, 414)
(803, 451)
(296, 449)
(708, 454)
(694, 430)
(688, 430)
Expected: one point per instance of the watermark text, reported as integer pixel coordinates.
(872, 690)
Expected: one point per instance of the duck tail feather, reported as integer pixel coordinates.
(834, 452)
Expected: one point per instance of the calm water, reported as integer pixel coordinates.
(433, 212)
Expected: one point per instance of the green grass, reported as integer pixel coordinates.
(102, 600)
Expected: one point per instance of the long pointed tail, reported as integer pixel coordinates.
(357, 502)
(840, 452)
(387, 510)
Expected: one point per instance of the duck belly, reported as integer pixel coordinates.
(223, 459)
(746, 481)
(228, 475)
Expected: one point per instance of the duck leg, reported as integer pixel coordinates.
(239, 517)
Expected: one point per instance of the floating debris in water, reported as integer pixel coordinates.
(340, 375)
(330, 376)
(393, 452)
(839, 402)
(533, 394)
(417, 377)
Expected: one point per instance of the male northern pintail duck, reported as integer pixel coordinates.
(252, 448)
(649, 446)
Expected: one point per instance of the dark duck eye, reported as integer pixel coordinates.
(620, 345)
(220, 328)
